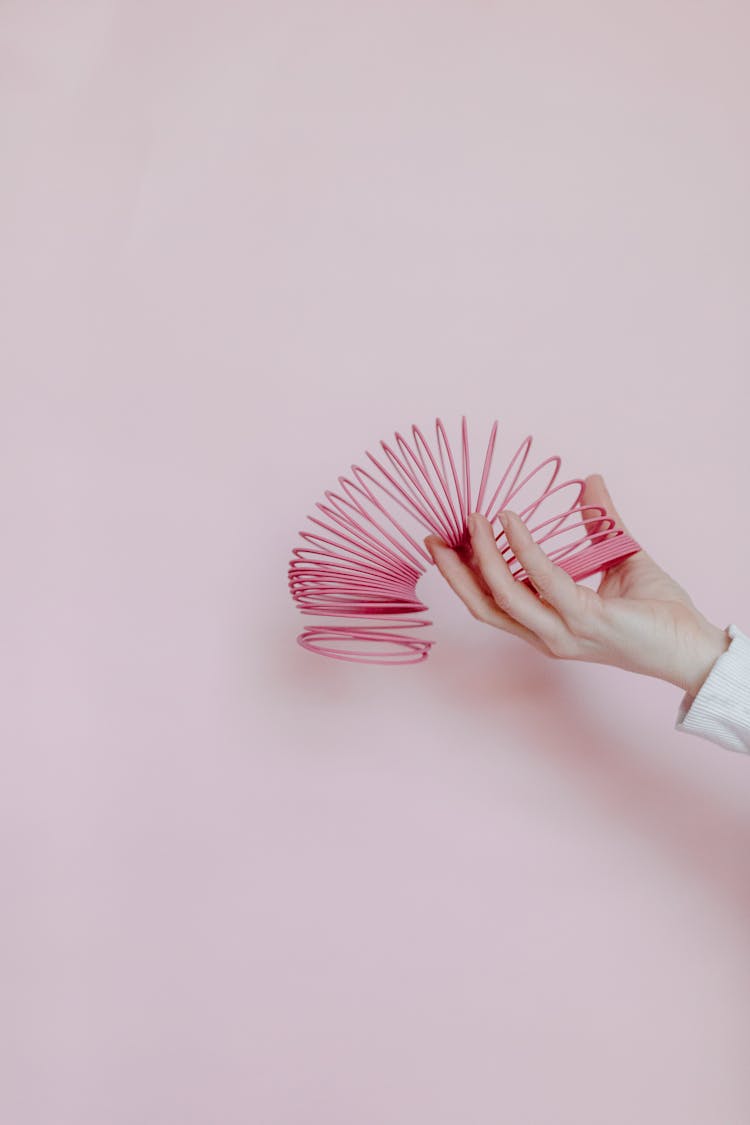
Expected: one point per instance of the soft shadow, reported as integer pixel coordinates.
(698, 830)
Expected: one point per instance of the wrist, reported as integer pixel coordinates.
(714, 643)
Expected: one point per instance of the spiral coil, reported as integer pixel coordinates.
(368, 564)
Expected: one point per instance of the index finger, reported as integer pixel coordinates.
(481, 604)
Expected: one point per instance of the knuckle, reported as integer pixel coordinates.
(548, 583)
(578, 624)
(501, 598)
(562, 645)
(583, 615)
(545, 588)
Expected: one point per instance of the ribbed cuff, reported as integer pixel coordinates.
(720, 711)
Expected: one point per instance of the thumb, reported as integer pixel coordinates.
(596, 492)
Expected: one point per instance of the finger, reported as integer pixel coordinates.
(553, 584)
(467, 556)
(596, 492)
(465, 583)
(511, 595)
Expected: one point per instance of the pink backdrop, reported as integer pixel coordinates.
(241, 243)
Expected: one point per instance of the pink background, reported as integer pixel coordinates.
(241, 243)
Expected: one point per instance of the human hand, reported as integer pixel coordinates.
(638, 619)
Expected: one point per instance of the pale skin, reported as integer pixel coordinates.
(638, 619)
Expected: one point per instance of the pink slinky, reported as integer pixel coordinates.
(366, 563)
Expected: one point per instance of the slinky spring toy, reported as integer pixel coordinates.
(363, 569)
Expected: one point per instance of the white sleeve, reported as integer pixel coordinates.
(720, 711)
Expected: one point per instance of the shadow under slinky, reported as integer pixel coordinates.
(698, 830)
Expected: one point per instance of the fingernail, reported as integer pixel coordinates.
(505, 519)
(472, 522)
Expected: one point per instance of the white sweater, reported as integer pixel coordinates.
(720, 711)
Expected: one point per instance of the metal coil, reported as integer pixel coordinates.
(366, 563)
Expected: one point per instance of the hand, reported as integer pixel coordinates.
(639, 618)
